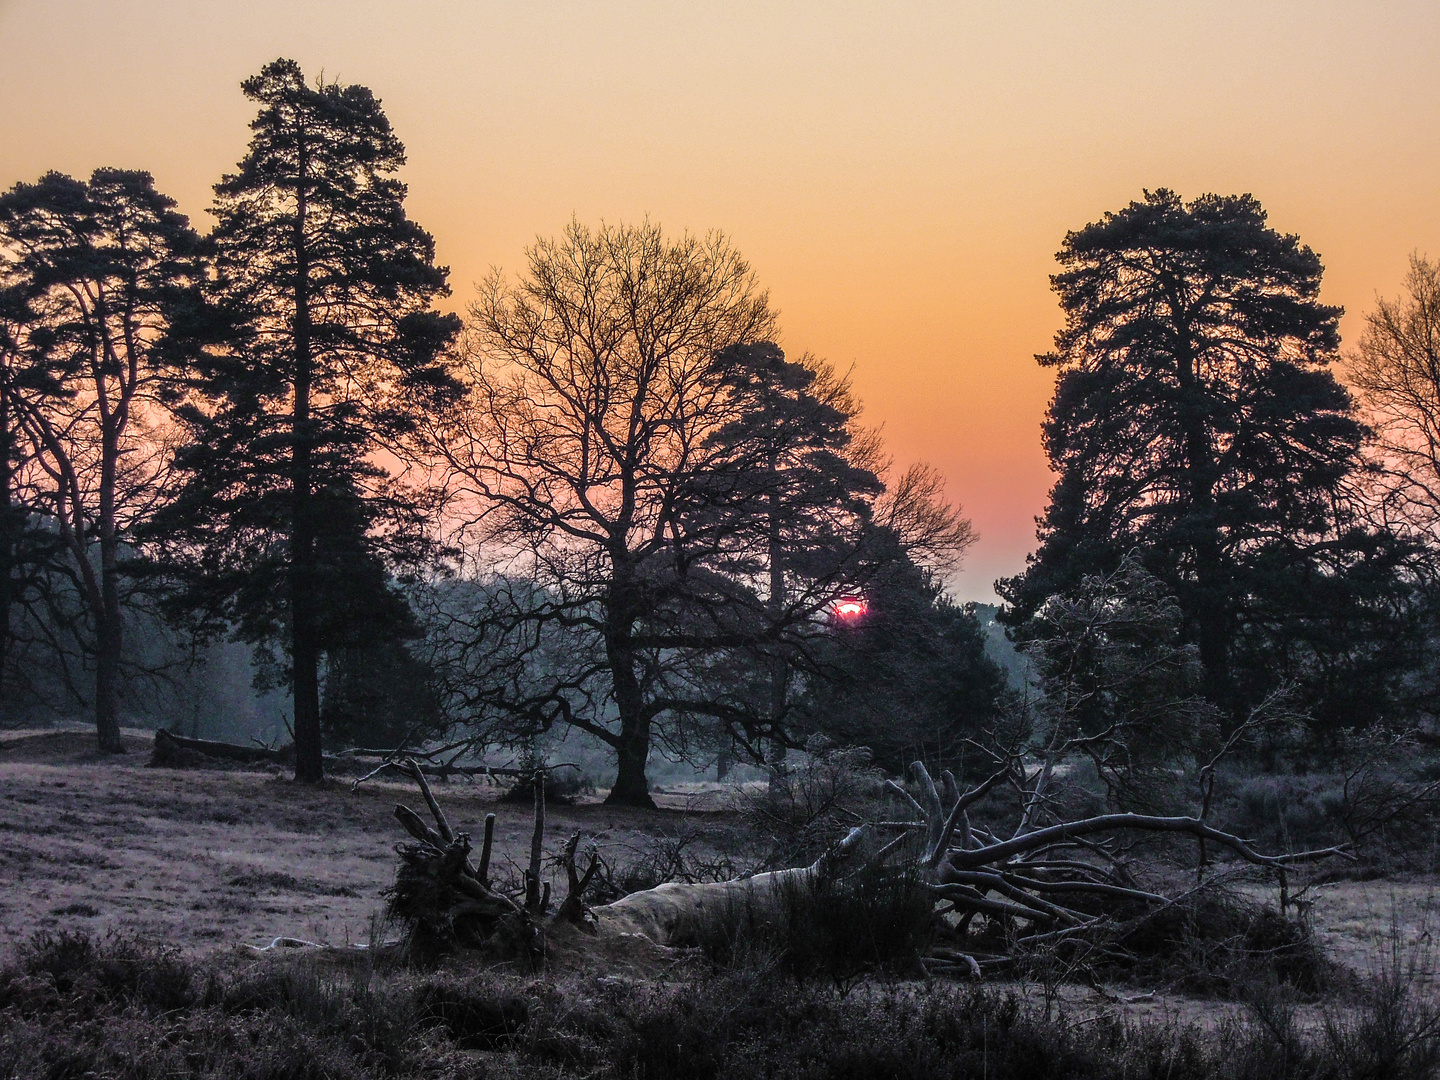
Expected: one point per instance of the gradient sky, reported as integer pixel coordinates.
(900, 175)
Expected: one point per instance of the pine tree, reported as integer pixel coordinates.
(798, 502)
(1196, 421)
(322, 344)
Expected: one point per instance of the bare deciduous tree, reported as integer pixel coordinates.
(1397, 369)
(579, 451)
(595, 457)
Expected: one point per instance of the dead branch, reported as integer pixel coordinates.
(483, 872)
(169, 749)
(1051, 886)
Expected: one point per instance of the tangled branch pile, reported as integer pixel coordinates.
(1062, 890)
(1045, 886)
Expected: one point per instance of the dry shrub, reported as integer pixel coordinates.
(476, 1014)
(298, 1019)
(1378, 794)
(115, 968)
(834, 929)
(686, 853)
(1215, 943)
(807, 804)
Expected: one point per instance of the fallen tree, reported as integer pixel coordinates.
(177, 751)
(1042, 886)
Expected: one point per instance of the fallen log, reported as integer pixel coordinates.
(674, 910)
(1040, 901)
(170, 749)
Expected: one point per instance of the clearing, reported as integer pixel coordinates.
(212, 857)
(207, 859)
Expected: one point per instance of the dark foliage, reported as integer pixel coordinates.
(910, 679)
(316, 343)
(476, 1017)
(563, 785)
(1196, 422)
(381, 696)
(1214, 943)
(65, 1012)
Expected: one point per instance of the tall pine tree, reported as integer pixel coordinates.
(800, 504)
(323, 342)
(1196, 421)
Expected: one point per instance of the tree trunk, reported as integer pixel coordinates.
(777, 751)
(108, 644)
(632, 787)
(1209, 602)
(9, 540)
(108, 631)
(304, 646)
(632, 748)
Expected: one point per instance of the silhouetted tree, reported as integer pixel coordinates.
(819, 522)
(1196, 421)
(797, 503)
(99, 267)
(1397, 370)
(587, 453)
(909, 678)
(323, 344)
(1118, 686)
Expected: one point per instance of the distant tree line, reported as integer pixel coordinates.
(607, 501)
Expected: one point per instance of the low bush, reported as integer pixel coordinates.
(835, 929)
(116, 968)
(1215, 943)
(297, 1019)
(564, 785)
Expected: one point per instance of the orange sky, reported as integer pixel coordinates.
(900, 175)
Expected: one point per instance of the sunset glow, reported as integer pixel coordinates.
(899, 176)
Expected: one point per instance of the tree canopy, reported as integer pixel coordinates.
(323, 345)
(1197, 422)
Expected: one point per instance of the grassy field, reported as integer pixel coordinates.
(211, 858)
(198, 864)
